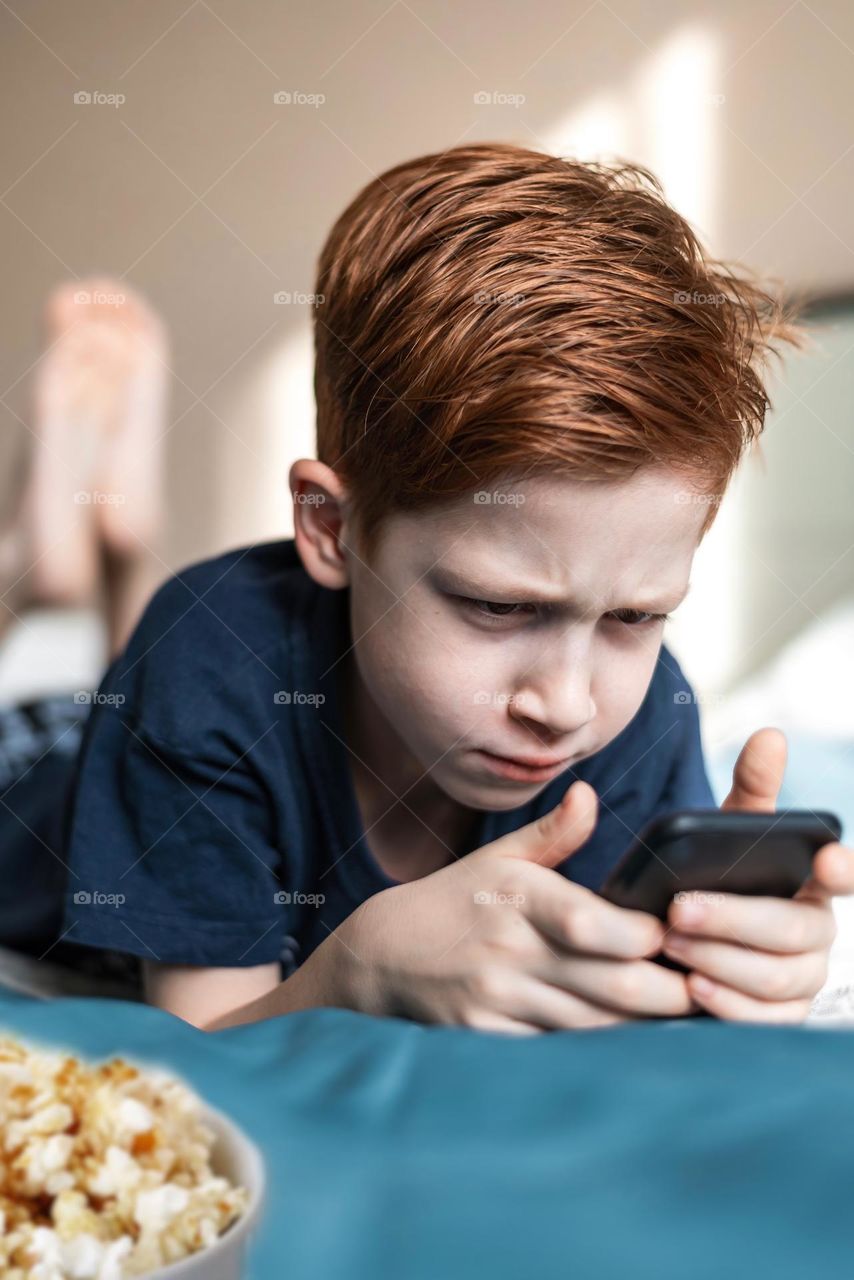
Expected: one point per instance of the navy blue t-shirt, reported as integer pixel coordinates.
(213, 819)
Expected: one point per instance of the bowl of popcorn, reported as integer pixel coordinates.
(111, 1170)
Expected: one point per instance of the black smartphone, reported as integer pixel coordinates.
(719, 851)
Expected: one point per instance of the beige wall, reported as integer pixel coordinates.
(208, 196)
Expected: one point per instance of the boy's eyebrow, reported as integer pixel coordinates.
(524, 592)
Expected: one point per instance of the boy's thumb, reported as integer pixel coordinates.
(558, 833)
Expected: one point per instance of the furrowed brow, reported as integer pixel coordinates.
(451, 580)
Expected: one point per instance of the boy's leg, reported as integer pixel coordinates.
(39, 742)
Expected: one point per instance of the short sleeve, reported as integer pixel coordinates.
(172, 840)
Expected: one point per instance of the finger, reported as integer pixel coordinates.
(763, 974)
(832, 873)
(552, 838)
(758, 773)
(576, 919)
(636, 987)
(767, 924)
(734, 1006)
(499, 1024)
(555, 1009)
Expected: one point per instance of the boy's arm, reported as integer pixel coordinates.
(199, 994)
(214, 998)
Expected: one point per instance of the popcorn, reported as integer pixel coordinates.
(105, 1170)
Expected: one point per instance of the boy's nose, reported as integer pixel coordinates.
(556, 704)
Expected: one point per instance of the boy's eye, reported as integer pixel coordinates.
(486, 607)
(495, 609)
(637, 618)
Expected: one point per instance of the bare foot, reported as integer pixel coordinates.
(128, 508)
(90, 508)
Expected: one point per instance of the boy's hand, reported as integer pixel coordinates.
(501, 941)
(758, 959)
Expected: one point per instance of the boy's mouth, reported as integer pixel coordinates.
(537, 769)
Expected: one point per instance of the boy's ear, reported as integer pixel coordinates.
(320, 513)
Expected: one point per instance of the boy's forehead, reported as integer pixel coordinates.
(651, 516)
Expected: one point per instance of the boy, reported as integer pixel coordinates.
(386, 764)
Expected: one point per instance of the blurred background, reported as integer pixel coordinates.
(200, 152)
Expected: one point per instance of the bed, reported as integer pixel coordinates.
(398, 1151)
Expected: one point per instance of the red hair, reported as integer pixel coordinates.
(492, 312)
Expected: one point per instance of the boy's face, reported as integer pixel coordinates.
(441, 681)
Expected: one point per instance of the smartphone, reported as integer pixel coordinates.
(719, 851)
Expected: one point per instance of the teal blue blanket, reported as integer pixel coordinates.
(679, 1149)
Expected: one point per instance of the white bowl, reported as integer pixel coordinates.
(236, 1157)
